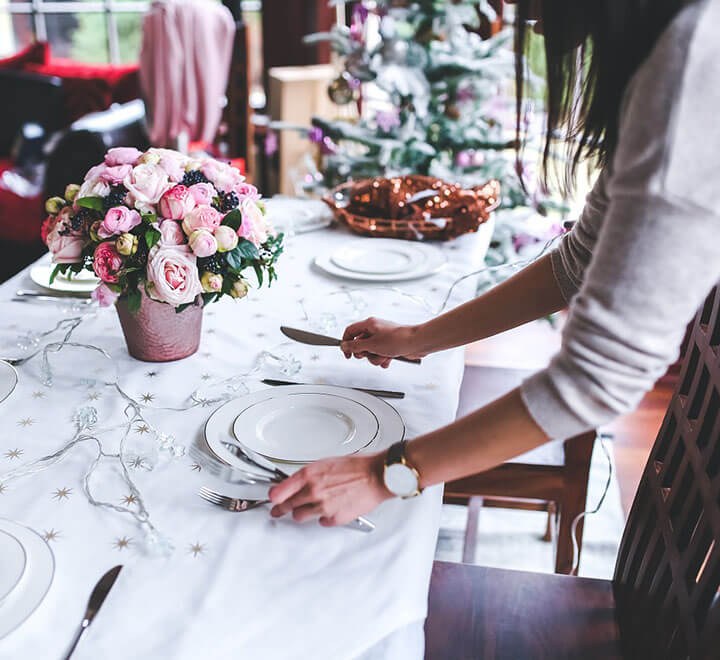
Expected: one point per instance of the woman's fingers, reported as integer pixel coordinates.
(356, 329)
(289, 487)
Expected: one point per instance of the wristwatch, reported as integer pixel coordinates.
(400, 478)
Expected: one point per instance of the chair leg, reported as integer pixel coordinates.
(549, 528)
(471, 530)
(578, 452)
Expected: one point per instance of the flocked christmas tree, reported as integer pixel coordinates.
(436, 99)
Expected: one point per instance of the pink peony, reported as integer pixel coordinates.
(247, 191)
(95, 172)
(202, 217)
(104, 295)
(64, 243)
(118, 220)
(203, 243)
(226, 238)
(223, 176)
(146, 184)
(203, 193)
(172, 233)
(253, 226)
(174, 165)
(172, 275)
(107, 262)
(122, 156)
(176, 203)
(116, 174)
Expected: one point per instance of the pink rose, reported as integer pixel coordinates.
(104, 295)
(172, 233)
(253, 226)
(146, 184)
(174, 165)
(107, 262)
(116, 174)
(203, 243)
(93, 188)
(64, 243)
(226, 238)
(223, 176)
(203, 193)
(118, 220)
(176, 203)
(202, 217)
(122, 156)
(172, 274)
(95, 172)
(246, 190)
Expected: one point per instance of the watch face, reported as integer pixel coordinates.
(401, 480)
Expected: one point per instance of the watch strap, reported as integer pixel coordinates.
(396, 453)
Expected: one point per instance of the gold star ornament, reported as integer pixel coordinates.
(129, 499)
(122, 543)
(27, 421)
(62, 493)
(14, 453)
(147, 397)
(196, 549)
(51, 535)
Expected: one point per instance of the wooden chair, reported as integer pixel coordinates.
(664, 599)
(237, 113)
(553, 478)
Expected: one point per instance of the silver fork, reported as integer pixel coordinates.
(16, 362)
(229, 503)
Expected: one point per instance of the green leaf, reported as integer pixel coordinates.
(60, 268)
(152, 236)
(247, 249)
(259, 272)
(209, 298)
(233, 219)
(149, 218)
(134, 300)
(93, 202)
(182, 307)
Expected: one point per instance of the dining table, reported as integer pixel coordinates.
(212, 583)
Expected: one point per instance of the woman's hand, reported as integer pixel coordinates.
(337, 490)
(379, 341)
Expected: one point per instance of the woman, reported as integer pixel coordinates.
(632, 272)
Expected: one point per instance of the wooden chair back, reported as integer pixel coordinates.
(237, 112)
(667, 575)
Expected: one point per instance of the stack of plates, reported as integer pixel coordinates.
(8, 381)
(82, 282)
(27, 567)
(382, 260)
(297, 424)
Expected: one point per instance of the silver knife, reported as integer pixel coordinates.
(305, 337)
(385, 394)
(97, 598)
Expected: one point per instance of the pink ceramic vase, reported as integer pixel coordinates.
(157, 333)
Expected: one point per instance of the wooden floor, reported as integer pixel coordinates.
(532, 346)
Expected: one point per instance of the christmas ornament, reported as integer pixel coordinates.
(341, 90)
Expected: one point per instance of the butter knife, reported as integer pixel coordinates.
(97, 598)
(385, 394)
(305, 337)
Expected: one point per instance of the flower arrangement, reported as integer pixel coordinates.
(164, 223)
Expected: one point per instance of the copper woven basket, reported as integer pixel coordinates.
(413, 207)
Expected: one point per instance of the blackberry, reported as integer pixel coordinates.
(227, 201)
(115, 197)
(211, 264)
(194, 176)
(78, 222)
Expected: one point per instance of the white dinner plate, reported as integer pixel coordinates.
(82, 282)
(380, 257)
(305, 426)
(35, 581)
(12, 564)
(219, 427)
(382, 260)
(8, 380)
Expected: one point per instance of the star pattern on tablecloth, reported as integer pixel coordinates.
(129, 499)
(147, 397)
(206, 354)
(142, 428)
(210, 331)
(51, 535)
(260, 335)
(151, 374)
(196, 549)
(137, 462)
(3, 488)
(121, 543)
(62, 494)
(93, 396)
(195, 467)
(25, 422)
(14, 453)
(206, 377)
(38, 395)
(314, 357)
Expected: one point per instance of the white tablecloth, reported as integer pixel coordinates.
(236, 585)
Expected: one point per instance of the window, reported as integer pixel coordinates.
(85, 30)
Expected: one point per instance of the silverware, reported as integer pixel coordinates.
(385, 394)
(305, 337)
(229, 503)
(28, 293)
(241, 451)
(53, 299)
(97, 598)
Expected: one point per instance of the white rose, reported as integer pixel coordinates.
(146, 185)
(93, 188)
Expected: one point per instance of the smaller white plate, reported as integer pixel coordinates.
(82, 282)
(379, 257)
(300, 428)
(35, 581)
(8, 380)
(12, 565)
(382, 260)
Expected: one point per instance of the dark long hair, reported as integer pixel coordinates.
(592, 49)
